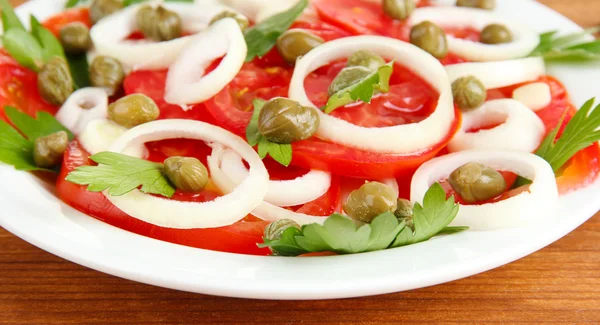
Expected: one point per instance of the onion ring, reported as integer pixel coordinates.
(499, 74)
(186, 80)
(220, 212)
(524, 38)
(521, 129)
(109, 35)
(99, 135)
(520, 210)
(536, 96)
(400, 139)
(82, 107)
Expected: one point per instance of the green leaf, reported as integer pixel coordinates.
(262, 37)
(381, 236)
(78, 65)
(50, 44)
(452, 230)
(9, 17)
(44, 123)
(429, 219)
(72, 3)
(252, 134)
(263, 147)
(573, 47)
(362, 90)
(15, 150)
(121, 174)
(286, 245)
(281, 153)
(24, 48)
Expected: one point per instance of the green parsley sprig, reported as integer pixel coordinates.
(121, 174)
(282, 153)
(16, 144)
(571, 47)
(341, 235)
(362, 90)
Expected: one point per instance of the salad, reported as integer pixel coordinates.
(296, 127)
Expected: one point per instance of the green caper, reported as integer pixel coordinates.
(75, 38)
(133, 110)
(481, 4)
(102, 8)
(348, 77)
(404, 209)
(367, 59)
(187, 174)
(430, 38)
(496, 34)
(107, 73)
(283, 120)
(158, 24)
(55, 83)
(469, 93)
(48, 150)
(295, 43)
(476, 182)
(369, 201)
(275, 229)
(241, 20)
(399, 9)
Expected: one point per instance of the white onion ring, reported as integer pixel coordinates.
(520, 210)
(167, 213)
(536, 95)
(259, 10)
(109, 35)
(186, 80)
(300, 190)
(400, 139)
(99, 135)
(83, 106)
(524, 38)
(265, 211)
(521, 129)
(499, 74)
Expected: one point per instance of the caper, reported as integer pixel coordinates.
(348, 77)
(48, 150)
(133, 110)
(75, 38)
(107, 73)
(158, 24)
(367, 59)
(430, 38)
(496, 34)
(404, 209)
(469, 93)
(295, 43)
(399, 9)
(102, 8)
(241, 20)
(369, 201)
(475, 182)
(481, 4)
(187, 174)
(275, 229)
(283, 120)
(55, 83)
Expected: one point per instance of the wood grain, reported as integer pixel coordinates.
(559, 284)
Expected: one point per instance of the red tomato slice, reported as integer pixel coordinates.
(18, 88)
(55, 23)
(240, 237)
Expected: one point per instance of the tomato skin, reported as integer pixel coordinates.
(55, 23)
(18, 88)
(240, 237)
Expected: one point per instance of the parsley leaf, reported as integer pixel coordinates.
(9, 17)
(72, 3)
(121, 174)
(282, 153)
(570, 47)
(50, 44)
(363, 90)
(263, 36)
(44, 124)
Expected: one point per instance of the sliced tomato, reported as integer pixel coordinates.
(18, 88)
(55, 23)
(240, 237)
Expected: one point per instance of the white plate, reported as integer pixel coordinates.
(31, 211)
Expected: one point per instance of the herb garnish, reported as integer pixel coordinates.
(341, 235)
(570, 47)
(282, 153)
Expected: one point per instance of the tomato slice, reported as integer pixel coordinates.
(18, 88)
(55, 23)
(240, 237)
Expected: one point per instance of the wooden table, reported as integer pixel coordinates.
(559, 284)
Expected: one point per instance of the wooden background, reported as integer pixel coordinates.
(559, 284)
